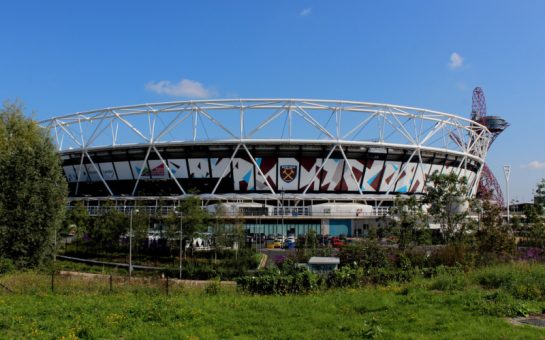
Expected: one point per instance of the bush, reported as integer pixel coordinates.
(213, 288)
(280, 282)
(366, 254)
(6, 265)
(521, 281)
(383, 276)
(452, 255)
(449, 279)
(502, 304)
(347, 276)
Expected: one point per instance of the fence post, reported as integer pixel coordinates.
(110, 283)
(53, 281)
(167, 285)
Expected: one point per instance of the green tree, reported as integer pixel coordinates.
(77, 217)
(539, 194)
(493, 236)
(77, 222)
(108, 227)
(220, 231)
(195, 219)
(448, 203)
(410, 221)
(171, 223)
(534, 228)
(33, 189)
(140, 229)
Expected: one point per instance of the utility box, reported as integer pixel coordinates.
(323, 264)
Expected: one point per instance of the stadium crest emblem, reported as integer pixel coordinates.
(288, 172)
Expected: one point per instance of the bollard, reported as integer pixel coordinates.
(52, 281)
(110, 283)
(167, 285)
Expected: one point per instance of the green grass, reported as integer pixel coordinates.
(421, 309)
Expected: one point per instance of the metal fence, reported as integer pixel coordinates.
(288, 212)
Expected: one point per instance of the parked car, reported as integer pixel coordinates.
(270, 244)
(289, 243)
(336, 242)
(278, 243)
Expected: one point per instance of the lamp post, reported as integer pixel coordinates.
(282, 212)
(130, 242)
(181, 240)
(507, 172)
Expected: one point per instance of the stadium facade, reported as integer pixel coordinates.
(281, 165)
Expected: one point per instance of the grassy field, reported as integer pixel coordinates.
(452, 305)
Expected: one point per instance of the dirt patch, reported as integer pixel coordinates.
(532, 320)
(90, 276)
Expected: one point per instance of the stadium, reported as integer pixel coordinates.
(280, 165)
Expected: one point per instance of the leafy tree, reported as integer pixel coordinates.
(447, 201)
(33, 189)
(221, 233)
(539, 195)
(493, 236)
(411, 221)
(535, 230)
(195, 219)
(140, 228)
(108, 227)
(171, 223)
(77, 221)
(77, 217)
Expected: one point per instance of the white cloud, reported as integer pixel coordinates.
(456, 61)
(461, 86)
(305, 12)
(534, 165)
(186, 88)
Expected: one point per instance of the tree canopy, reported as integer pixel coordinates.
(33, 189)
(446, 196)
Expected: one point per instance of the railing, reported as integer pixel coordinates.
(286, 212)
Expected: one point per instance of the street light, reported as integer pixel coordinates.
(507, 172)
(130, 242)
(283, 212)
(181, 239)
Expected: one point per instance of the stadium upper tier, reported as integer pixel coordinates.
(268, 146)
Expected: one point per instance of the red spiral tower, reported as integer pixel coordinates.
(488, 184)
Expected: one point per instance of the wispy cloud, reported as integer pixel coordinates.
(186, 88)
(461, 86)
(456, 61)
(305, 12)
(534, 165)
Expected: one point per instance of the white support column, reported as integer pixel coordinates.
(258, 169)
(319, 169)
(351, 171)
(141, 170)
(99, 174)
(169, 170)
(400, 171)
(226, 169)
(79, 171)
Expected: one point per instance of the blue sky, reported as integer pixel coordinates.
(62, 57)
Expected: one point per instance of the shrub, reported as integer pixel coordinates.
(347, 276)
(495, 277)
(502, 304)
(280, 282)
(213, 288)
(521, 281)
(452, 255)
(6, 265)
(366, 254)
